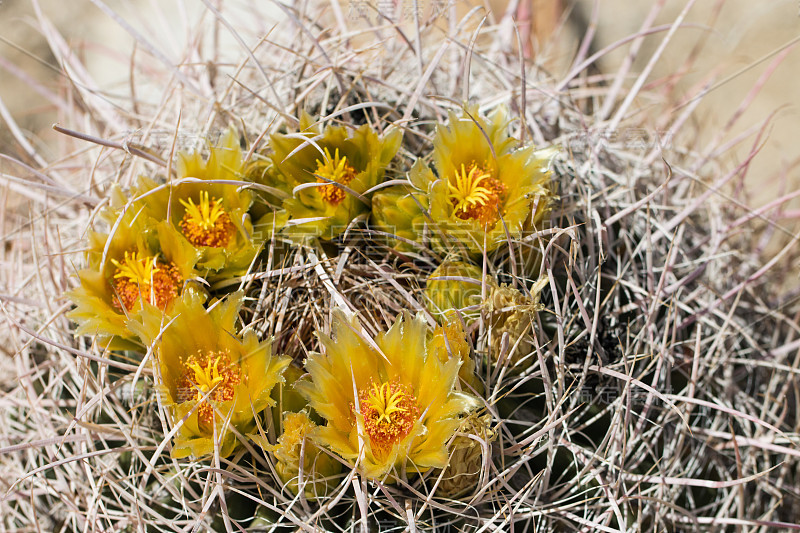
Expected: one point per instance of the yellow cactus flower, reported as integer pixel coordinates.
(328, 177)
(318, 468)
(468, 450)
(389, 402)
(212, 379)
(144, 262)
(483, 179)
(212, 216)
(455, 287)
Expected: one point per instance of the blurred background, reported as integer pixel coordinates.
(742, 56)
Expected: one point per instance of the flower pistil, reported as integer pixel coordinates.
(139, 277)
(204, 373)
(337, 170)
(389, 412)
(475, 194)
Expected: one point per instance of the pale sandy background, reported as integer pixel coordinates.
(737, 36)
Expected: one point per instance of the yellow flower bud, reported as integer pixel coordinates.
(398, 211)
(468, 449)
(455, 288)
(511, 315)
(449, 340)
(295, 448)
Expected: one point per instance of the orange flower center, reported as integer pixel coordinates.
(141, 277)
(207, 223)
(389, 412)
(475, 194)
(337, 170)
(203, 373)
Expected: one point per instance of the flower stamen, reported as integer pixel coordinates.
(141, 277)
(337, 170)
(475, 194)
(207, 223)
